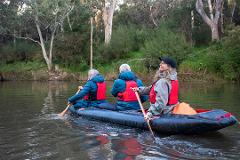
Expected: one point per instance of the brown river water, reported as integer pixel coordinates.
(31, 129)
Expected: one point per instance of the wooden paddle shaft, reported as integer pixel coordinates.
(66, 109)
(143, 111)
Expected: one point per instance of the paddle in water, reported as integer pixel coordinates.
(69, 105)
(143, 111)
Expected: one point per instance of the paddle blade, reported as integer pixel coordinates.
(64, 111)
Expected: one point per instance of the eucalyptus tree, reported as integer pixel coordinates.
(107, 15)
(149, 12)
(215, 12)
(48, 17)
(9, 19)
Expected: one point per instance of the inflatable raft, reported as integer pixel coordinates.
(203, 121)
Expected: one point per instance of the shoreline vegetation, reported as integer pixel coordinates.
(67, 76)
(38, 44)
(26, 72)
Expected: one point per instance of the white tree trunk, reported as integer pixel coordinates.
(232, 4)
(213, 21)
(108, 12)
(44, 52)
(91, 45)
(60, 15)
(151, 15)
(215, 32)
(210, 9)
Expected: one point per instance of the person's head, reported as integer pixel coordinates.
(92, 73)
(124, 67)
(167, 64)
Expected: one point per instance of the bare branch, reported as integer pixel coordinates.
(26, 38)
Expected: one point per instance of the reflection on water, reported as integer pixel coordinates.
(126, 148)
(31, 129)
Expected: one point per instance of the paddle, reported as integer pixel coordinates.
(143, 111)
(69, 105)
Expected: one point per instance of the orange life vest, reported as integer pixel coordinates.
(128, 95)
(100, 95)
(173, 96)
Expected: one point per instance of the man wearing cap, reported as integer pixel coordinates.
(163, 93)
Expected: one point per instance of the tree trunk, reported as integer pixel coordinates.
(233, 4)
(151, 16)
(91, 44)
(108, 12)
(50, 50)
(215, 32)
(44, 52)
(14, 37)
(213, 20)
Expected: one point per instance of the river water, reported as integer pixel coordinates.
(31, 129)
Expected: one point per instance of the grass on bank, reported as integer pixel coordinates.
(23, 66)
(135, 60)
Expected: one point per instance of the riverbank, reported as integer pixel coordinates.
(37, 71)
(60, 75)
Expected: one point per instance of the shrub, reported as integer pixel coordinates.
(71, 49)
(165, 43)
(125, 39)
(220, 58)
(20, 51)
(230, 50)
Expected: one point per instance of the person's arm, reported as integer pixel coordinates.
(143, 97)
(144, 90)
(86, 89)
(118, 86)
(162, 89)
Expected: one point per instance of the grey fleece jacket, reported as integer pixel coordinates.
(162, 88)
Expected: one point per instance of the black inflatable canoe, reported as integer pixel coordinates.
(204, 121)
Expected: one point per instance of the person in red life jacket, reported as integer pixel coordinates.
(92, 94)
(163, 93)
(122, 89)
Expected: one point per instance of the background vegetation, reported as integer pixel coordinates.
(140, 35)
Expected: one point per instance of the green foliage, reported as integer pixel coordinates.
(220, 58)
(135, 13)
(78, 19)
(163, 42)
(135, 39)
(135, 60)
(179, 18)
(20, 51)
(82, 66)
(231, 49)
(23, 66)
(72, 49)
(124, 39)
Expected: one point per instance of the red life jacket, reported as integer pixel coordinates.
(152, 94)
(128, 95)
(173, 96)
(100, 95)
(101, 91)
